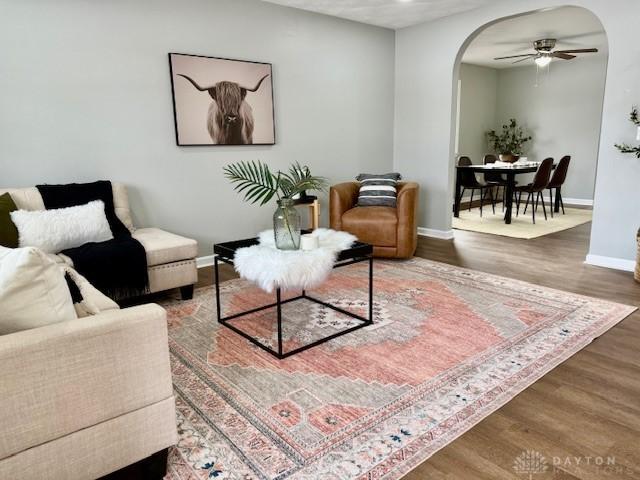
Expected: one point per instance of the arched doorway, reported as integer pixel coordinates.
(560, 104)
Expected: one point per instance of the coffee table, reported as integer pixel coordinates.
(358, 252)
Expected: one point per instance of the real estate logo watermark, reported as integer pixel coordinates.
(531, 463)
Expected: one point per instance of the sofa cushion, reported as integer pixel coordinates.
(164, 247)
(8, 230)
(33, 291)
(373, 225)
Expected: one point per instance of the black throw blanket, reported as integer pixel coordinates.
(117, 267)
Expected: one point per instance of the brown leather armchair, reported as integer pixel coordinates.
(393, 232)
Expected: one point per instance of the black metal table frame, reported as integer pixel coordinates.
(280, 354)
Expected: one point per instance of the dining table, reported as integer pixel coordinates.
(510, 171)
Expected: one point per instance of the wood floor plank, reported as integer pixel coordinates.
(456, 464)
(626, 415)
(618, 346)
(596, 384)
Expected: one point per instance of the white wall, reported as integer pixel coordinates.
(426, 57)
(478, 109)
(85, 95)
(563, 114)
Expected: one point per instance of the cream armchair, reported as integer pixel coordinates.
(86, 397)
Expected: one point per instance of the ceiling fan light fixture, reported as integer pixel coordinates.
(543, 60)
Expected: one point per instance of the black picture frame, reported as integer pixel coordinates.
(180, 142)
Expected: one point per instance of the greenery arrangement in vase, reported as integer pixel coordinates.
(259, 184)
(510, 142)
(624, 147)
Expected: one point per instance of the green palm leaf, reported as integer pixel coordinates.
(300, 179)
(254, 179)
(259, 184)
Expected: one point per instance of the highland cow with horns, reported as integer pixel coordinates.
(230, 118)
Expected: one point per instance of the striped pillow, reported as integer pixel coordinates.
(377, 189)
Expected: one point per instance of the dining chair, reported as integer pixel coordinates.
(537, 187)
(557, 180)
(495, 179)
(468, 180)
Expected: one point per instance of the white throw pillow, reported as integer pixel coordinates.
(58, 229)
(33, 291)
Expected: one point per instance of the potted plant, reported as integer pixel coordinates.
(509, 143)
(634, 118)
(259, 184)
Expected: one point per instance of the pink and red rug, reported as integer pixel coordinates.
(448, 347)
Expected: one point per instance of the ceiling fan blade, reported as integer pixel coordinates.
(523, 59)
(579, 50)
(564, 56)
(516, 56)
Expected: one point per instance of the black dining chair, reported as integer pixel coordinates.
(537, 187)
(494, 179)
(557, 180)
(469, 181)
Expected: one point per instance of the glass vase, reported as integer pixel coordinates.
(286, 225)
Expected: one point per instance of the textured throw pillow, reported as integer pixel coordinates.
(55, 230)
(8, 231)
(72, 194)
(378, 189)
(33, 291)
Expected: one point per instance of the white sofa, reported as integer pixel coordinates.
(171, 259)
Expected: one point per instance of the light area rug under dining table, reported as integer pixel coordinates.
(521, 226)
(448, 347)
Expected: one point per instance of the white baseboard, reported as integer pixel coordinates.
(207, 261)
(441, 234)
(611, 262)
(578, 201)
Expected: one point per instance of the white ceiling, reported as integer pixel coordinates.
(573, 27)
(386, 13)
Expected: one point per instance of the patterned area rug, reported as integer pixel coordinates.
(448, 347)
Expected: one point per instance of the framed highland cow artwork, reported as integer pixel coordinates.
(220, 101)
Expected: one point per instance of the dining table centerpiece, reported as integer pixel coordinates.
(509, 144)
(260, 185)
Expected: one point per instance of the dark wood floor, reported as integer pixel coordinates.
(585, 409)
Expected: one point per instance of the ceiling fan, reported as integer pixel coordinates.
(544, 53)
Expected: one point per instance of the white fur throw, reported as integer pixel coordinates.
(271, 268)
(58, 229)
